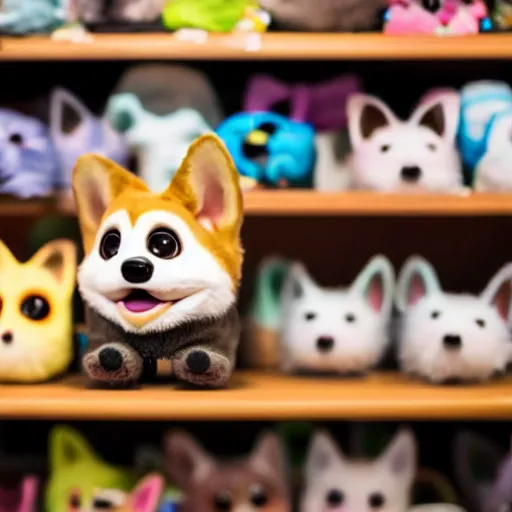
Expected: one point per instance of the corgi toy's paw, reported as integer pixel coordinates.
(113, 363)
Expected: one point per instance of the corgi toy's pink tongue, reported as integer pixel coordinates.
(140, 302)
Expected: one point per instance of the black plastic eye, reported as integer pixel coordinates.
(259, 496)
(109, 245)
(310, 316)
(385, 148)
(376, 500)
(74, 501)
(432, 147)
(164, 243)
(350, 318)
(16, 138)
(335, 498)
(269, 128)
(480, 322)
(223, 502)
(35, 307)
(432, 5)
(102, 503)
(435, 314)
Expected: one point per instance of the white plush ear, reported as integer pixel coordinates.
(401, 456)
(376, 282)
(67, 113)
(499, 292)
(323, 453)
(416, 280)
(365, 115)
(440, 114)
(298, 283)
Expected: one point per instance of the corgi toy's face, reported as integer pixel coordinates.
(452, 336)
(417, 155)
(35, 312)
(154, 261)
(254, 484)
(336, 483)
(336, 330)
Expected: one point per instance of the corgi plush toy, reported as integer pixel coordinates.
(161, 271)
(449, 337)
(257, 482)
(335, 482)
(36, 325)
(417, 155)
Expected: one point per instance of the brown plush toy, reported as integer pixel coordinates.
(256, 483)
(161, 271)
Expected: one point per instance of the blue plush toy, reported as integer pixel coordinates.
(20, 17)
(270, 148)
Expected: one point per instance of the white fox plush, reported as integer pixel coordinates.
(335, 482)
(340, 330)
(417, 155)
(449, 337)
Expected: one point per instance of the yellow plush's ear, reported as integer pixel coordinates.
(96, 182)
(7, 259)
(68, 447)
(59, 257)
(208, 185)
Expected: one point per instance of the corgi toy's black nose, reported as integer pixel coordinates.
(7, 337)
(137, 270)
(411, 173)
(325, 343)
(452, 342)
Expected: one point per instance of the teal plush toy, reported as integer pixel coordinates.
(31, 16)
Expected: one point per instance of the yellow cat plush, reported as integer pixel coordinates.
(36, 326)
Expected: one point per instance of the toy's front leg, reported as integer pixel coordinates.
(113, 363)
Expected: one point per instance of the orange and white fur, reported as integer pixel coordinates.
(161, 271)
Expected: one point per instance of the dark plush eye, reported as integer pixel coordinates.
(74, 500)
(101, 503)
(223, 502)
(432, 147)
(350, 318)
(385, 148)
(335, 498)
(259, 496)
(109, 245)
(35, 307)
(376, 500)
(269, 128)
(164, 243)
(435, 314)
(432, 5)
(480, 322)
(16, 138)
(310, 316)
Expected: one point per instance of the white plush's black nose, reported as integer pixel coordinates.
(452, 342)
(325, 344)
(410, 174)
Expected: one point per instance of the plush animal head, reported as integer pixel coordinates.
(35, 316)
(484, 473)
(20, 499)
(337, 330)
(154, 261)
(403, 156)
(448, 336)
(28, 162)
(335, 482)
(75, 131)
(77, 471)
(161, 142)
(254, 483)
(101, 11)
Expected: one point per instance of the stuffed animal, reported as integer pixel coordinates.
(22, 498)
(335, 482)
(336, 330)
(502, 15)
(161, 271)
(331, 171)
(447, 337)
(256, 482)
(106, 11)
(76, 471)
(417, 155)
(28, 161)
(31, 16)
(36, 326)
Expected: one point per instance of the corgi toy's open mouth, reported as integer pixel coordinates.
(140, 301)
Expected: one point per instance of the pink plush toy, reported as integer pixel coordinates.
(21, 499)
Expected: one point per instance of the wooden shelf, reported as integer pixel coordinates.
(259, 396)
(276, 46)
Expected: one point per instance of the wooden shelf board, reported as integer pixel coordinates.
(278, 46)
(260, 396)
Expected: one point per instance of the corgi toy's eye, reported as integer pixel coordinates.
(259, 496)
(223, 502)
(109, 245)
(480, 322)
(16, 138)
(164, 243)
(435, 314)
(335, 498)
(376, 500)
(35, 307)
(432, 147)
(350, 318)
(310, 316)
(385, 148)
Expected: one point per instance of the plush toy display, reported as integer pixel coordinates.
(417, 155)
(336, 330)
(256, 482)
(76, 471)
(28, 161)
(502, 15)
(36, 326)
(31, 16)
(335, 482)
(161, 271)
(22, 498)
(449, 337)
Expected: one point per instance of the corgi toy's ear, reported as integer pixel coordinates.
(400, 456)
(208, 185)
(376, 283)
(297, 283)
(417, 279)
(97, 181)
(7, 258)
(498, 292)
(146, 496)
(67, 113)
(322, 454)
(440, 113)
(59, 258)
(268, 455)
(68, 447)
(365, 115)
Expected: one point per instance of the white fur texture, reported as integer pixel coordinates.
(331, 173)
(357, 327)
(383, 145)
(391, 475)
(195, 273)
(429, 315)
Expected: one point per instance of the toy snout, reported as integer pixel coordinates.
(137, 270)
